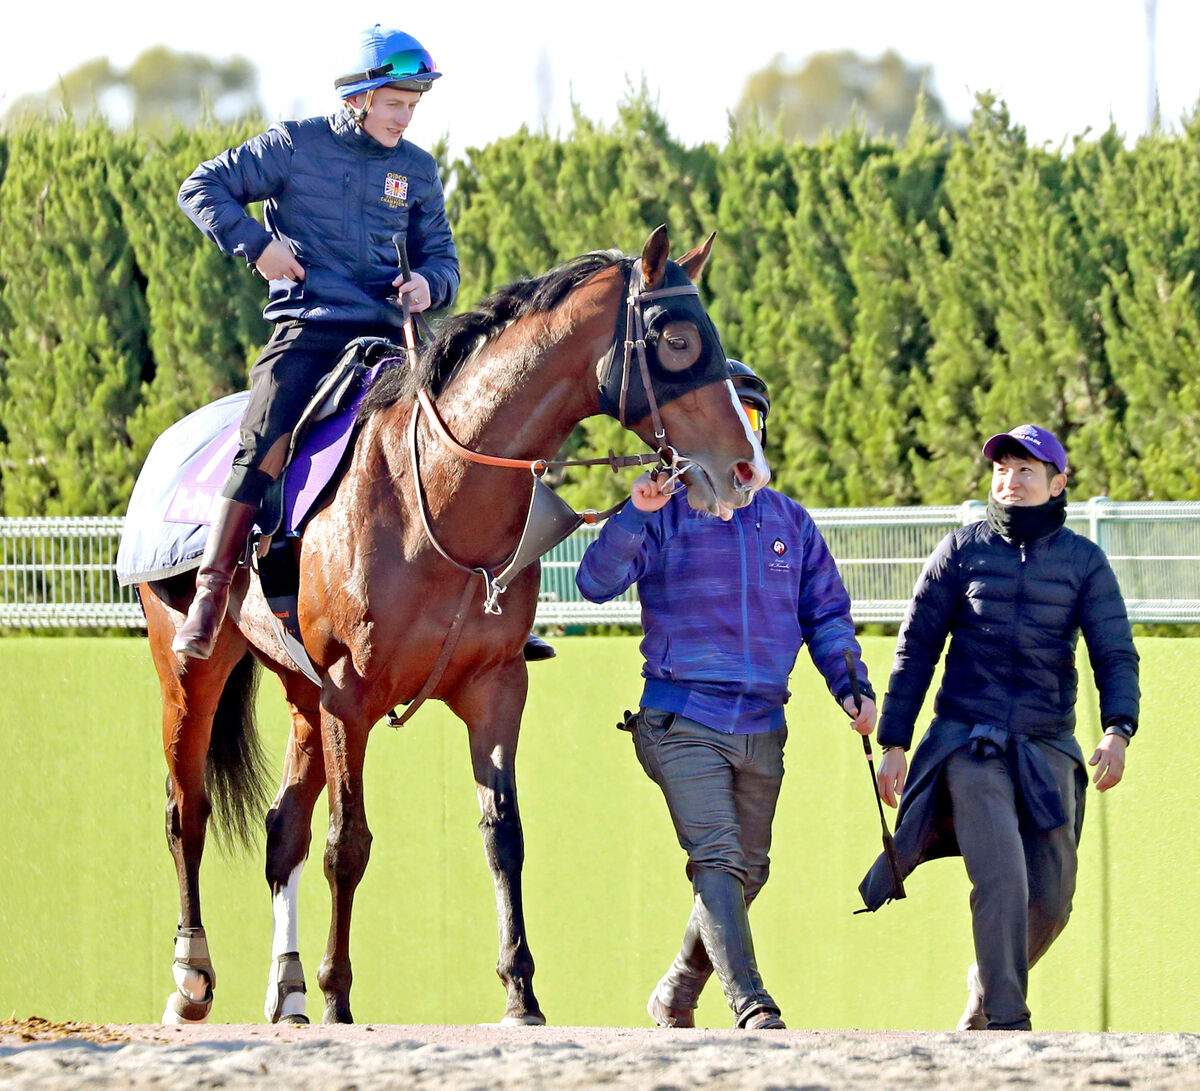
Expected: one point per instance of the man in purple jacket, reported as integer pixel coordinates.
(726, 607)
(335, 191)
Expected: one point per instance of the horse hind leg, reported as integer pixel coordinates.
(193, 695)
(289, 835)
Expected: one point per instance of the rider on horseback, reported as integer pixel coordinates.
(335, 190)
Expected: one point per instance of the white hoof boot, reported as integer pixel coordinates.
(286, 1001)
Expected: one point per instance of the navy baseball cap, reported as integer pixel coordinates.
(1038, 442)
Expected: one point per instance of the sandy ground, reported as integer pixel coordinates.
(35, 1053)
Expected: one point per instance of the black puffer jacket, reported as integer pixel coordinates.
(1013, 613)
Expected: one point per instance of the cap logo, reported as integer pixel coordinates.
(395, 190)
(1027, 434)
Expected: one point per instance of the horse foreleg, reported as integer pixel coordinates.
(347, 850)
(492, 710)
(289, 835)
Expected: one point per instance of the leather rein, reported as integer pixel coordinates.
(666, 458)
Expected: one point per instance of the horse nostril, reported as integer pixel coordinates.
(743, 475)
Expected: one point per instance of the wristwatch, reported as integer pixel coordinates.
(1121, 727)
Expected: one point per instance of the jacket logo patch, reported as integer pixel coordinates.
(395, 190)
(778, 547)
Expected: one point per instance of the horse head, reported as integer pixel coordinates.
(666, 379)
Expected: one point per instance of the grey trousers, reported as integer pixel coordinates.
(721, 791)
(1022, 880)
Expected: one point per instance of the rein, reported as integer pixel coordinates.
(667, 460)
(537, 538)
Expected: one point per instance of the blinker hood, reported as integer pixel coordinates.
(655, 315)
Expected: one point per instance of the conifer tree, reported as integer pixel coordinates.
(205, 321)
(1148, 208)
(75, 337)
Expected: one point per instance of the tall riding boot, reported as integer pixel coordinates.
(674, 999)
(725, 928)
(224, 548)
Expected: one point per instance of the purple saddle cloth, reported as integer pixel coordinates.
(167, 521)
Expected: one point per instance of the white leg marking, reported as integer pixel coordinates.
(286, 905)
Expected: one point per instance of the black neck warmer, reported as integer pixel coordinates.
(1021, 524)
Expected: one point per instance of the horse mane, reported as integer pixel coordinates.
(459, 336)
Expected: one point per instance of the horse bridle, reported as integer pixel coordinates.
(666, 458)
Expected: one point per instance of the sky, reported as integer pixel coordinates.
(1062, 66)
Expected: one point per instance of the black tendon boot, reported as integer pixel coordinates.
(725, 928)
(222, 551)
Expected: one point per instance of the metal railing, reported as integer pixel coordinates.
(58, 573)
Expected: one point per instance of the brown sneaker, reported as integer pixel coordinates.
(664, 1016)
(763, 1019)
(972, 1017)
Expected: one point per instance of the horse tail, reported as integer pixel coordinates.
(235, 776)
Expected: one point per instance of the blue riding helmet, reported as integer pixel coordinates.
(388, 57)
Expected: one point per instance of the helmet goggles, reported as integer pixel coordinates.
(408, 66)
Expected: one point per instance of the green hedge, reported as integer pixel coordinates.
(904, 300)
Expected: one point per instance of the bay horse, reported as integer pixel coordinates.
(402, 543)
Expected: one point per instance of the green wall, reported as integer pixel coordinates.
(88, 897)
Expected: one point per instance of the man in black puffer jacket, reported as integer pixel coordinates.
(999, 777)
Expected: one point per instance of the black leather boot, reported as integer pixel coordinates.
(720, 910)
(224, 548)
(674, 1000)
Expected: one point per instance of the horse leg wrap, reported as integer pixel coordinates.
(194, 976)
(286, 980)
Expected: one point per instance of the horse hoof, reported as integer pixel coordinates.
(297, 1020)
(183, 1011)
(535, 1019)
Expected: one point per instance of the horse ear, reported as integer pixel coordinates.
(693, 261)
(654, 257)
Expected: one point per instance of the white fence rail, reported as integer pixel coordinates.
(57, 573)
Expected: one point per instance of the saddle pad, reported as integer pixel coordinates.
(152, 548)
(167, 522)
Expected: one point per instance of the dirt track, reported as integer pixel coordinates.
(34, 1053)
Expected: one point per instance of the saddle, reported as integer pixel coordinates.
(166, 525)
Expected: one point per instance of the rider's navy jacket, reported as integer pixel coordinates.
(336, 196)
(726, 606)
